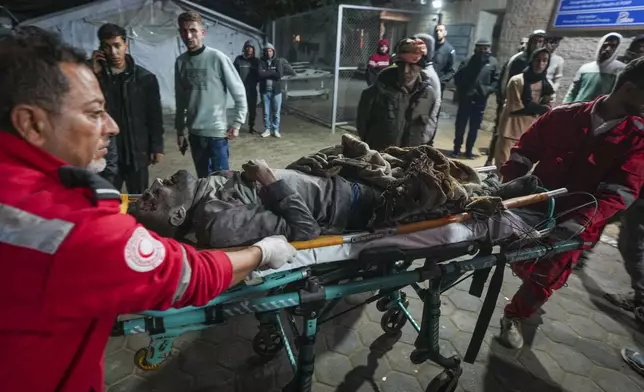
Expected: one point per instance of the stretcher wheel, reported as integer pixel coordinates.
(268, 343)
(393, 321)
(141, 362)
(447, 381)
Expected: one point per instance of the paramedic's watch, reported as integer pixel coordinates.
(276, 251)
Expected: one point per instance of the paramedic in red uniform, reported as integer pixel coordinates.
(71, 261)
(595, 147)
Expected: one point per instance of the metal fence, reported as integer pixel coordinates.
(329, 49)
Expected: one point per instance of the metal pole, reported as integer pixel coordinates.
(336, 70)
(273, 34)
(440, 17)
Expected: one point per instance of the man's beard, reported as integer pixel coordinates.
(97, 165)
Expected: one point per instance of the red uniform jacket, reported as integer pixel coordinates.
(71, 263)
(610, 165)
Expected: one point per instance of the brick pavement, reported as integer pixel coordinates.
(572, 346)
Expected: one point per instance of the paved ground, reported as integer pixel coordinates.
(572, 346)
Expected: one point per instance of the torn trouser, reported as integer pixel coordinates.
(540, 278)
(631, 246)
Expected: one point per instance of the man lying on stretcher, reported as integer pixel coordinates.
(235, 208)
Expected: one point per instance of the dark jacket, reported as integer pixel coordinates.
(271, 70)
(476, 79)
(390, 116)
(137, 111)
(443, 60)
(230, 211)
(248, 67)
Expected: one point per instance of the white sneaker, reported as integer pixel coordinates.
(511, 336)
(266, 133)
(277, 134)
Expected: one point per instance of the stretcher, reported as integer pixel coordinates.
(332, 267)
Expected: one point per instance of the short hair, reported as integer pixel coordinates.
(111, 30)
(440, 24)
(633, 72)
(190, 16)
(30, 71)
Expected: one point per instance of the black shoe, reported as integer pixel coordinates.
(455, 154)
(252, 130)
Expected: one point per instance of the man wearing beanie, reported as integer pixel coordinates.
(395, 110)
(476, 78)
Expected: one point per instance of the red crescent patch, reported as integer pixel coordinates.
(143, 253)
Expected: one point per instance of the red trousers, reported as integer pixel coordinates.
(540, 278)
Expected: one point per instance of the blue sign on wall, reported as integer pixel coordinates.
(620, 14)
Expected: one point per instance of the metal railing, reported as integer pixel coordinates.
(330, 48)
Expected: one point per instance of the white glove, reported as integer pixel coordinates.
(276, 251)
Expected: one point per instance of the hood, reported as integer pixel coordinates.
(384, 42)
(601, 42)
(247, 44)
(636, 40)
(529, 74)
(268, 46)
(531, 39)
(430, 42)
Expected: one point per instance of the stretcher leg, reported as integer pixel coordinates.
(158, 350)
(303, 380)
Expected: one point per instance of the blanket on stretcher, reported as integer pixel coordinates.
(418, 182)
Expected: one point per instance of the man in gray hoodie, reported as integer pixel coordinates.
(203, 77)
(434, 82)
(271, 70)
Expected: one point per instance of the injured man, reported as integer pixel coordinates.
(337, 190)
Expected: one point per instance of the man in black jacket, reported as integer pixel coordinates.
(476, 78)
(443, 62)
(133, 100)
(248, 65)
(443, 58)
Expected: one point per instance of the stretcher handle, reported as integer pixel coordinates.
(425, 225)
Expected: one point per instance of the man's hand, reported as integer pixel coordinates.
(182, 142)
(155, 158)
(258, 170)
(98, 59)
(232, 133)
(276, 251)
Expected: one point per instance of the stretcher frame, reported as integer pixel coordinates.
(316, 289)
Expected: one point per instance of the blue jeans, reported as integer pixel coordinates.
(472, 112)
(210, 154)
(272, 106)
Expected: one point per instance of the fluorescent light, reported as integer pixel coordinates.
(437, 4)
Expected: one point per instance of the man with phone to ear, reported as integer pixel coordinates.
(133, 100)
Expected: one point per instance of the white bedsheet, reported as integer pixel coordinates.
(498, 228)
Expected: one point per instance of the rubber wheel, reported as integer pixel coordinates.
(141, 362)
(381, 304)
(393, 321)
(268, 343)
(447, 381)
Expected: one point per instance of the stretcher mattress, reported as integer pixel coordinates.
(518, 223)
